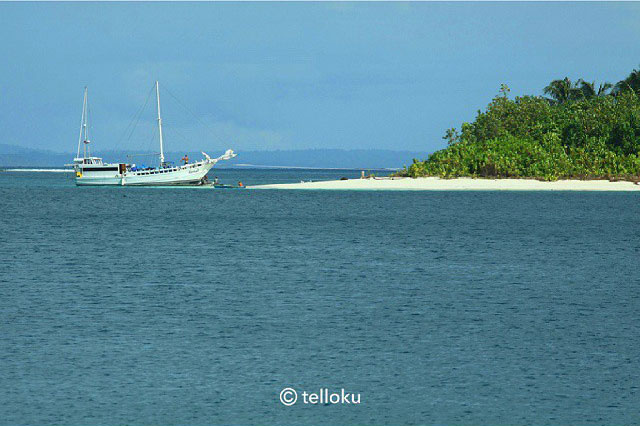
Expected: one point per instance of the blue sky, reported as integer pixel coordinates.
(291, 75)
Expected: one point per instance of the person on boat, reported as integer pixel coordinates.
(240, 185)
(215, 180)
(185, 159)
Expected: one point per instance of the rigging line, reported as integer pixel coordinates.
(153, 136)
(140, 114)
(189, 111)
(135, 118)
(179, 134)
(146, 146)
(84, 104)
(176, 132)
(148, 154)
(89, 128)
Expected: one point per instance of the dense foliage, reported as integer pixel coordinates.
(581, 131)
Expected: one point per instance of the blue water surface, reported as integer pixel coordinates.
(173, 306)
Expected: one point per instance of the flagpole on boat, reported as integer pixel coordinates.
(159, 124)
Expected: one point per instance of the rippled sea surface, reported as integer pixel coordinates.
(173, 306)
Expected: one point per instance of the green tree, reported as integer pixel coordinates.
(451, 136)
(588, 90)
(629, 84)
(504, 90)
(562, 91)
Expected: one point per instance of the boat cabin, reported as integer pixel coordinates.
(88, 160)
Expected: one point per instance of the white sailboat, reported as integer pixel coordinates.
(92, 170)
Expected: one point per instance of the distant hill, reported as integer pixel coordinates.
(329, 158)
(15, 156)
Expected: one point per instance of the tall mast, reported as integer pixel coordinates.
(86, 141)
(159, 123)
(83, 125)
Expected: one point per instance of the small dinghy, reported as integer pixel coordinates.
(225, 186)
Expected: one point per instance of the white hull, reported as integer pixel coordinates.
(188, 174)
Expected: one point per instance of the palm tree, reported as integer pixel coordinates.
(631, 83)
(588, 90)
(562, 91)
(604, 89)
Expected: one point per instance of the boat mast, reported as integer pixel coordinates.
(83, 123)
(159, 124)
(86, 141)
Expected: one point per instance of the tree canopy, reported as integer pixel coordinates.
(580, 130)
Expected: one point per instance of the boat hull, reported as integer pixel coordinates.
(186, 175)
(117, 182)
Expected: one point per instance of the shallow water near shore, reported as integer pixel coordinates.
(151, 305)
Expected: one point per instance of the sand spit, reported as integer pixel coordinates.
(459, 184)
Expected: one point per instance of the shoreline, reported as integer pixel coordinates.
(457, 184)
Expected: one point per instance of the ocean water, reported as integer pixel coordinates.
(175, 306)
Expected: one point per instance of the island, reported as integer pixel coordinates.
(576, 136)
(578, 131)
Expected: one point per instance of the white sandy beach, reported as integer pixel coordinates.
(459, 184)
